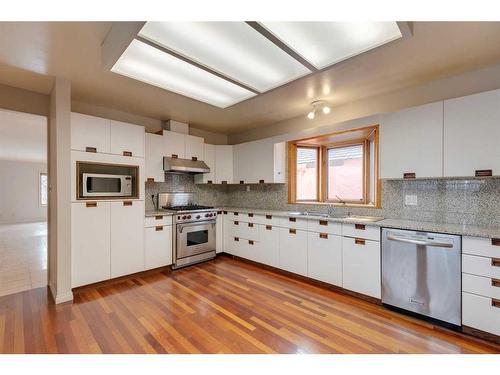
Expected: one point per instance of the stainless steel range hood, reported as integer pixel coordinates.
(177, 165)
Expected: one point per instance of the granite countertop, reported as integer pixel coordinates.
(459, 229)
(150, 213)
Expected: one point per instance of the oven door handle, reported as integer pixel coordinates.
(180, 227)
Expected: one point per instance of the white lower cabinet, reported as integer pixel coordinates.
(293, 250)
(361, 266)
(219, 234)
(157, 246)
(90, 239)
(481, 312)
(324, 257)
(227, 239)
(269, 249)
(127, 237)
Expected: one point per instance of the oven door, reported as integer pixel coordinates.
(195, 238)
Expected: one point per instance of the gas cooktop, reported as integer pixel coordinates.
(192, 207)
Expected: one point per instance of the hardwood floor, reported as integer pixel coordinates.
(224, 306)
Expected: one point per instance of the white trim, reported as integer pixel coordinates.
(60, 298)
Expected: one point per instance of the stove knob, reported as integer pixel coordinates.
(184, 217)
(211, 215)
(189, 216)
(207, 215)
(198, 216)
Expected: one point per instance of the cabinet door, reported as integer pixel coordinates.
(90, 133)
(209, 159)
(155, 148)
(253, 162)
(127, 139)
(223, 164)
(127, 237)
(324, 257)
(411, 141)
(293, 250)
(279, 174)
(194, 147)
(471, 134)
(90, 242)
(219, 234)
(361, 266)
(157, 246)
(269, 247)
(174, 144)
(227, 234)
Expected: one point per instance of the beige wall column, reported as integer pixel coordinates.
(59, 171)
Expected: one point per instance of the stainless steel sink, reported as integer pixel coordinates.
(367, 219)
(304, 213)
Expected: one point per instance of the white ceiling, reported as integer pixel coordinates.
(23, 137)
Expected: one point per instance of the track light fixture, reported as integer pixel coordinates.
(318, 105)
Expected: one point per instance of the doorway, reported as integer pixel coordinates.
(23, 202)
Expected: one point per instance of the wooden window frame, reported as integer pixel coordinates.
(318, 172)
(322, 178)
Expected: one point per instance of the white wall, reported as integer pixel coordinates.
(19, 192)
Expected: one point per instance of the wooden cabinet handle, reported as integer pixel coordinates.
(269, 216)
(323, 222)
(235, 213)
(261, 181)
(269, 227)
(409, 175)
(292, 231)
(127, 153)
(236, 239)
(359, 241)
(250, 214)
(127, 203)
(225, 212)
(91, 149)
(91, 204)
(209, 182)
(194, 158)
(323, 235)
(495, 302)
(158, 217)
(495, 242)
(495, 283)
(175, 156)
(495, 262)
(150, 179)
(483, 172)
(158, 228)
(223, 182)
(360, 226)
(250, 242)
(250, 225)
(242, 182)
(236, 223)
(292, 219)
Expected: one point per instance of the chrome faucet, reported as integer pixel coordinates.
(340, 199)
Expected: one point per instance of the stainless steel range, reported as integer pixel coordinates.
(194, 226)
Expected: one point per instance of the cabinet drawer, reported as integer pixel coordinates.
(483, 286)
(267, 219)
(324, 226)
(293, 222)
(361, 231)
(244, 230)
(486, 247)
(481, 313)
(481, 266)
(154, 221)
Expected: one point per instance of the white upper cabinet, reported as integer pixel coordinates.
(259, 162)
(89, 133)
(223, 164)
(209, 159)
(155, 149)
(471, 134)
(127, 139)
(174, 144)
(194, 147)
(411, 141)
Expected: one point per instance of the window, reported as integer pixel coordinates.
(307, 174)
(337, 168)
(43, 188)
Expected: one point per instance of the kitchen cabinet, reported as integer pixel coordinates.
(155, 149)
(127, 139)
(361, 266)
(293, 250)
(411, 141)
(127, 237)
(157, 246)
(279, 163)
(174, 144)
(209, 159)
(219, 234)
(269, 249)
(324, 257)
(194, 147)
(471, 134)
(227, 232)
(89, 133)
(223, 164)
(90, 243)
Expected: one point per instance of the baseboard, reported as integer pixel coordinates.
(60, 298)
(481, 334)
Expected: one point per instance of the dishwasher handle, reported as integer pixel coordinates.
(414, 241)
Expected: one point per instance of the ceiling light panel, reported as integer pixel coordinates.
(231, 48)
(150, 65)
(326, 43)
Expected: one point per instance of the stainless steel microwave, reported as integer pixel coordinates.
(106, 185)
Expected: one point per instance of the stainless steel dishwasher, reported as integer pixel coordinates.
(421, 273)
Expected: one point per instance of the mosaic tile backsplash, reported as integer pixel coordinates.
(454, 201)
